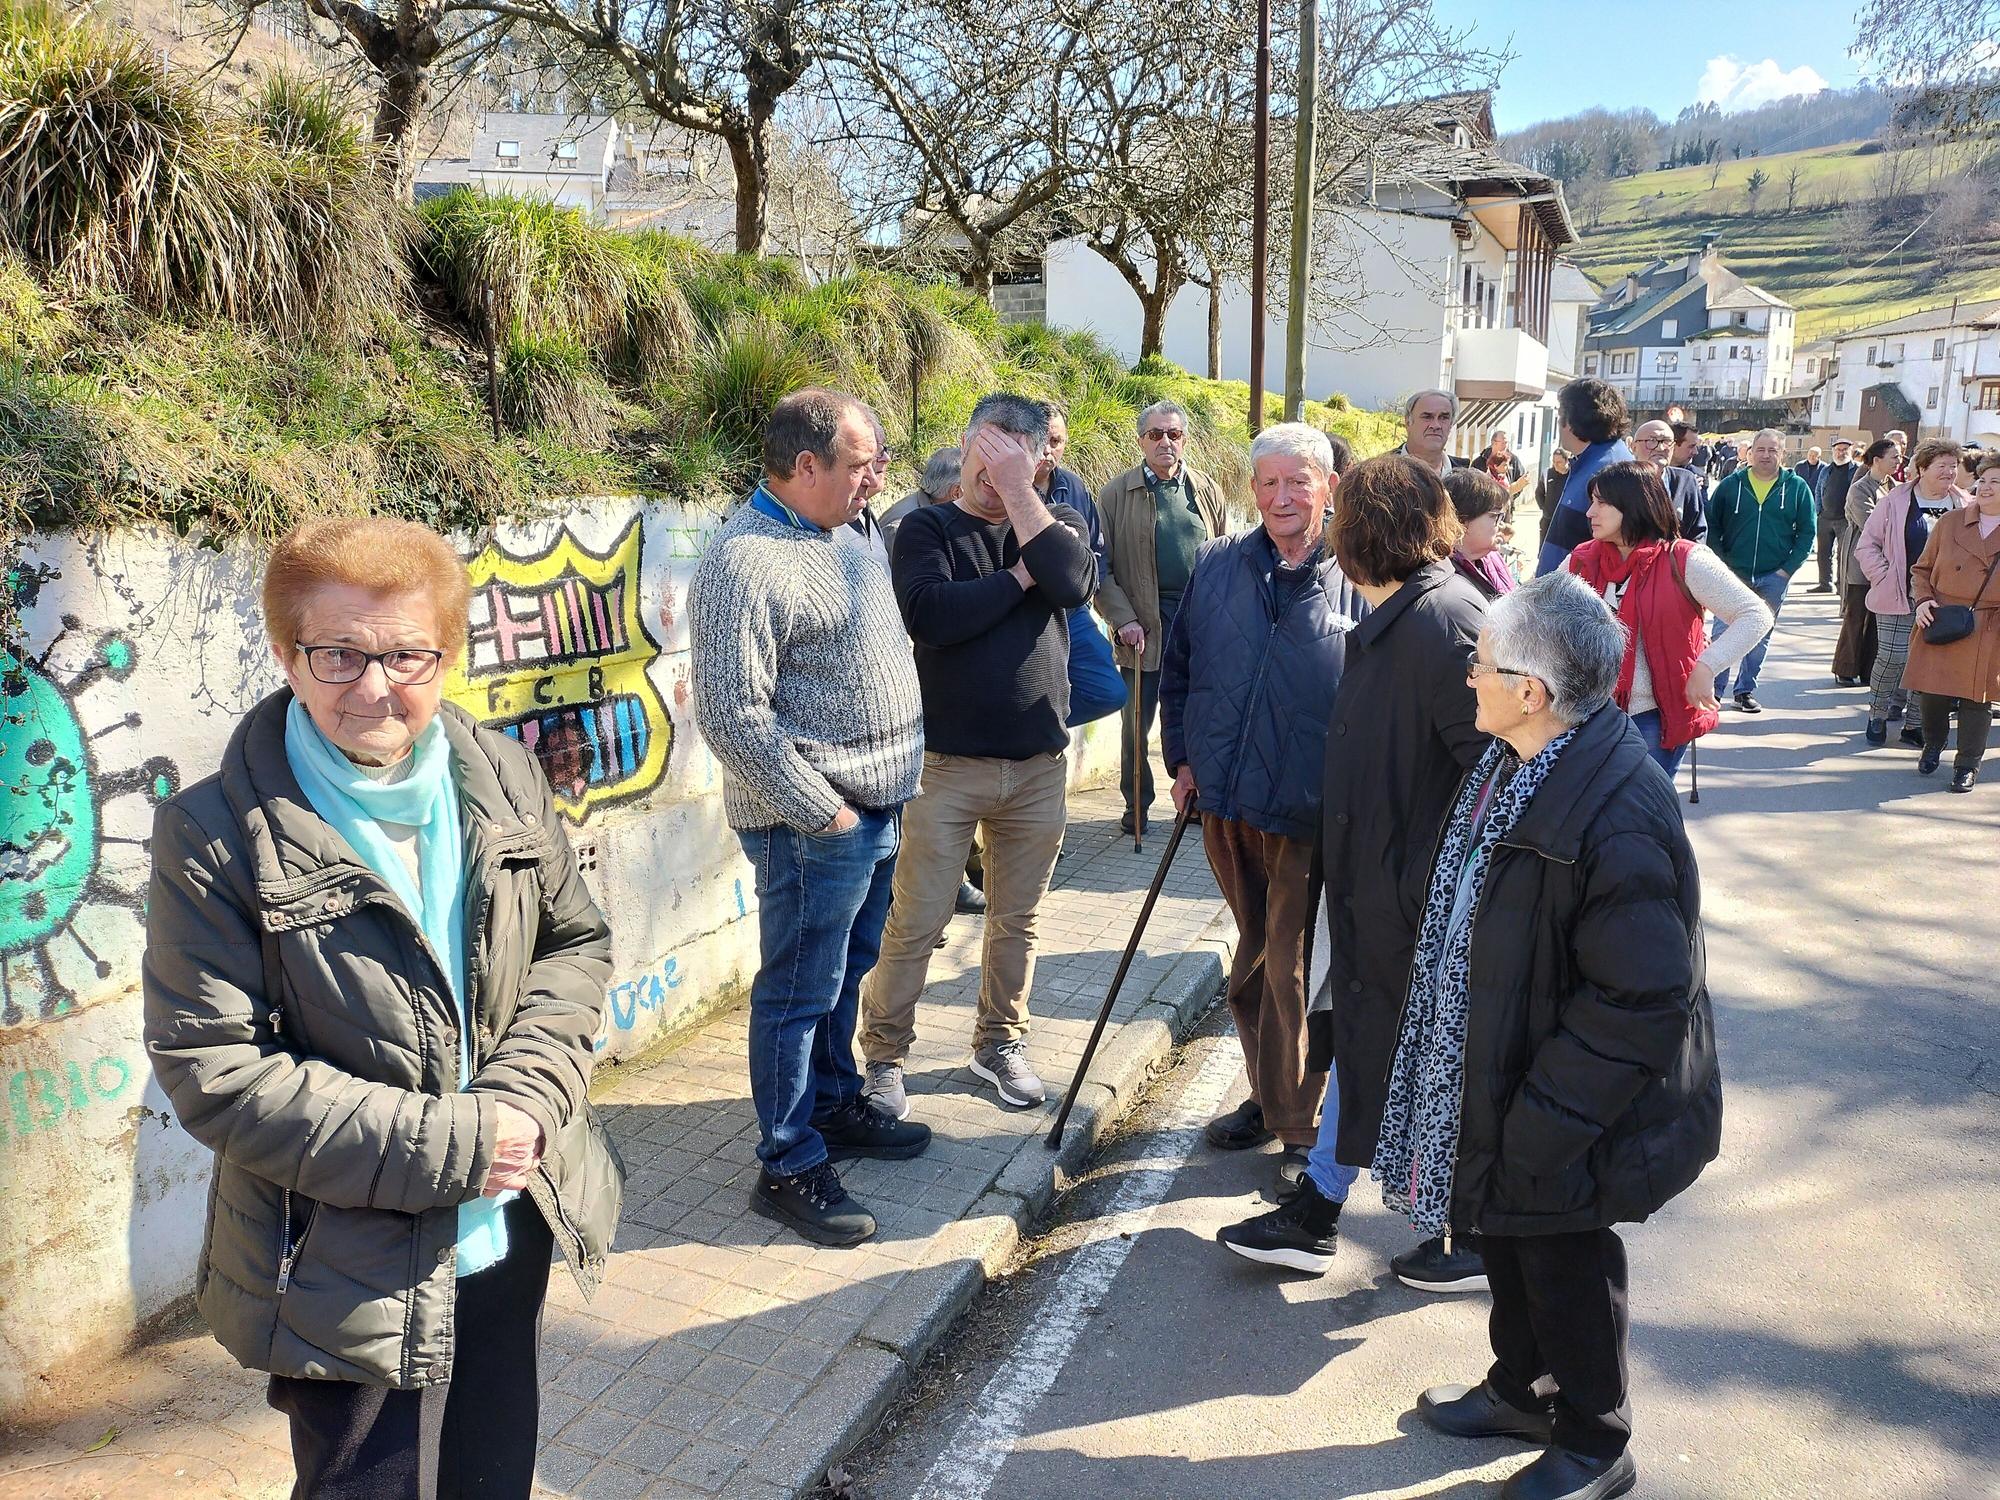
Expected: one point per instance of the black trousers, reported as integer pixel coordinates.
(1975, 726)
(1829, 538)
(1559, 1321)
(1854, 652)
(1148, 706)
(473, 1436)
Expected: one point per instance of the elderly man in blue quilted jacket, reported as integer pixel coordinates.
(1246, 688)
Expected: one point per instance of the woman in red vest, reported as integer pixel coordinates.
(1660, 587)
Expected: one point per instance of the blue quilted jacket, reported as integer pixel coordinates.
(1246, 690)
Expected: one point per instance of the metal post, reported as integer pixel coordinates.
(1304, 168)
(913, 415)
(1260, 216)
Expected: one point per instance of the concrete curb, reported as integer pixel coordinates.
(868, 1375)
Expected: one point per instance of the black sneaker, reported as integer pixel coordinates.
(1431, 1268)
(1840, 681)
(1877, 732)
(1964, 781)
(864, 1128)
(1480, 1411)
(971, 900)
(814, 1204)
(1912, 735)
(1125, 823)
(1301, 1236)
(1927, 759)
(1895, 712)
(1240, 1129)
(1748, 704)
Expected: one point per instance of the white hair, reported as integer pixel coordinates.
(1557, 629)
(1411, 404)
(1294, 440)
(1164, 408)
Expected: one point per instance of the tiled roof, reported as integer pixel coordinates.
(538, 136)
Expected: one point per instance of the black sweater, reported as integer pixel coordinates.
(992, 658)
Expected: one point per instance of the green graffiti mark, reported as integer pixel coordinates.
(43, 1099)
(49, 849)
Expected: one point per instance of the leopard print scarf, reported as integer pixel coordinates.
(1416, 1156)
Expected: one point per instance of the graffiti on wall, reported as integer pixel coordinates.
(557, 656)
(60, 860)
(43, 1099)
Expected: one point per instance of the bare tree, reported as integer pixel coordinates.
(1792, 187)
(402, 45)
(1939, 54)
(719, 67)
(1715, 165)
(965, 112)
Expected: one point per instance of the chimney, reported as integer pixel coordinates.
(1704, 257)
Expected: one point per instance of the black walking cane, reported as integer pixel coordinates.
(1054, 1141)
(1138, 754)
(1694, 771)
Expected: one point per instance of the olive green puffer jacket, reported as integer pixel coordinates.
(303, 1031)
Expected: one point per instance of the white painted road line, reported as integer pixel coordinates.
(965, 1470)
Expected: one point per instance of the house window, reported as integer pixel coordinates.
(565, 150)
(1669, 328)
(1872, 351)
(509, 153)
(1590, 364)
(1937, 348)
(1989, 395)
(1898, 353)
(1930, 401)
(1839, 400)
(1743, 320)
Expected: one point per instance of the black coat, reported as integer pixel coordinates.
(1690, 497)
(1400, 739)
(1592, 1093)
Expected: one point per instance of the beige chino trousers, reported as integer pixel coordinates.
(1018, 809)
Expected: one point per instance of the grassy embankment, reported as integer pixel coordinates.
(1813, 257)
(212, 319)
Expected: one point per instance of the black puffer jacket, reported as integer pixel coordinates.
(1401, 738)
(1592, 1092)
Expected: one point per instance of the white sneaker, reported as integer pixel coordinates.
(884, 1087)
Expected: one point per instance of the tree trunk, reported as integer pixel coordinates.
(1153, 320)
(1214, 324)
(750, 157)
(406, 89)
(979, 271)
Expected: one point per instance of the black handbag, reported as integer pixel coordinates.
(1954, 622)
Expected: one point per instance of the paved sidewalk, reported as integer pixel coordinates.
(725, 1356)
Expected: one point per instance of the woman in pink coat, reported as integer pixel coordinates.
(1888, 547)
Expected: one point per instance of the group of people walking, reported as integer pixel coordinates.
(1438, 801)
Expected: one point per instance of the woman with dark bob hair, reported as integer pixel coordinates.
(372, 983)
(1555, 1071)
(1592, 422)
(1400, 737)
(1659, 587)
(1480, 502)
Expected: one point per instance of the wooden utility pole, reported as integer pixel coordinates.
(1304, 162)
(1260, 216)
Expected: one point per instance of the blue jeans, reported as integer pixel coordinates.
(1770, 587)
(1648, 725)
(821, 901)
(1329, 1176)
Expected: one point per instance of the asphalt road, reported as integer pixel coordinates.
(1819, 1317)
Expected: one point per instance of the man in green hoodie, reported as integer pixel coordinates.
(1761, 521)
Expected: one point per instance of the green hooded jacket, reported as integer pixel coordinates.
(1775, 537)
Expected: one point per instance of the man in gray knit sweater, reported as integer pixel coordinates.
(805, 691)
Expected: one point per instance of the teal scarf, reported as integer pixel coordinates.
(427, 799)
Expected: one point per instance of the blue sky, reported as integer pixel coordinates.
(1572, 54)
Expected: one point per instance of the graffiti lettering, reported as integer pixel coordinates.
(58, 863)
(557, 656)
(39, 1099)
(648, 992)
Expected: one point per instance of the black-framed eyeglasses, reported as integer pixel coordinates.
(407, 666)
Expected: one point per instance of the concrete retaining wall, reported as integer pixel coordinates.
(138, 654)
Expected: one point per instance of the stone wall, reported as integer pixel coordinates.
(138, 654)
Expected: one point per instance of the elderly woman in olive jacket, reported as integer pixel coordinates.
(384, 1033)
(1555, 1072)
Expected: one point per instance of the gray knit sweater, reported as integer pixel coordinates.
(803, 683)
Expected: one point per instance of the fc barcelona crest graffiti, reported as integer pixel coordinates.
(556, 656)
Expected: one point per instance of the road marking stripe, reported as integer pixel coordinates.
(970, 1462)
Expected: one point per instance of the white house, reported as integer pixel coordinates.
(1452, 266)
(1934, 373)
(566, 159)
(1691, 330)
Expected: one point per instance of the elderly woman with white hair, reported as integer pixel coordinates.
(1555, 1072)
(1247, 680)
